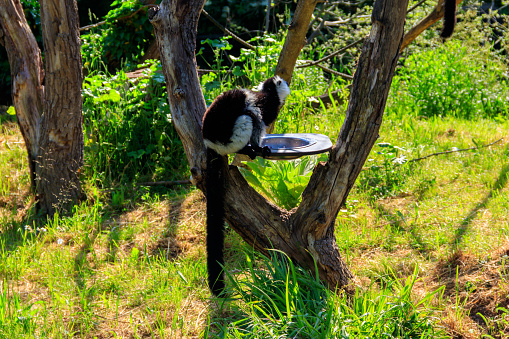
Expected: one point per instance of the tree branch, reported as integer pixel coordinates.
(165, 183)
(27, 74)
(339, 74)
(456, 150)
(122, 18)
(341, 50)
(332, 181)
(227, 31)
(295, 39)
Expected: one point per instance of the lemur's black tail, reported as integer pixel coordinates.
(449, 18)
(215, 220)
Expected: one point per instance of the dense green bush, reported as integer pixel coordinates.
(122, 40)
(465, 77)
(449, 80)
(128, 130)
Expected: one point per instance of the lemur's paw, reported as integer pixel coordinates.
(266, 152)
(249, 151)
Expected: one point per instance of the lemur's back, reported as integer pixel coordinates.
(222, 114)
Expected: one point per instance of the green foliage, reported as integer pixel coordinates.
(246, 70)
(280, 300)
(241, 15)
(451, 80)
(128, 130)
(122, 41)
(281, 181)
(387, 178)
(17, 319)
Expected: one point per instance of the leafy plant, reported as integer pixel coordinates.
(123, 39)
(387, 178)
(448, 81)
(128, 129)
(281, 181)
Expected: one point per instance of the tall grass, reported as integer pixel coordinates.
(277, 299)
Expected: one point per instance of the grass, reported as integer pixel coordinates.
(427, 240)
(134, 267)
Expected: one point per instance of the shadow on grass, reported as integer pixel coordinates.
(167, 246)
(163, 244)
(80, 261)
(467, 221)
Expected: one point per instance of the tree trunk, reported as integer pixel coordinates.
(61, 140)
(306, 233)
(175, 25)
(295, 39)
(49, 110)
(27, 76)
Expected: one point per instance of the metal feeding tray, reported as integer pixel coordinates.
(295, 145)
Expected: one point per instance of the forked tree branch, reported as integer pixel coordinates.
(306, 234)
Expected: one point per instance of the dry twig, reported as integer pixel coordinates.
(455, 150)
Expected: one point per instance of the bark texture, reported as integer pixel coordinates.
(295, 39)
(49, 109)
(306, 233)
(61, 143)
(175, 25)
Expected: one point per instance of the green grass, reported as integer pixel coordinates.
(280, 300)
(134, 266)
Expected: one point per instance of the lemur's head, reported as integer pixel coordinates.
(278, 84)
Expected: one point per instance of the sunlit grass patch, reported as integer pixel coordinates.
(14, 176)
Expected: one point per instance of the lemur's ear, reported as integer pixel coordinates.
(278, 82)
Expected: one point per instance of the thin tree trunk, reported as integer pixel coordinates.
(175, 24)
(48, 109)
(27, 76)
(306, 233)
(295, 38)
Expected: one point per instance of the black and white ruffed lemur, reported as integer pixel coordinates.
(449, 18)
(235, 122)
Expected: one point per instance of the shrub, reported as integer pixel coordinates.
(451, 80)
(128, 129)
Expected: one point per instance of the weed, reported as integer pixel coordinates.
(128, 130)
(386, 179)
(449, 81)
(281, 181)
